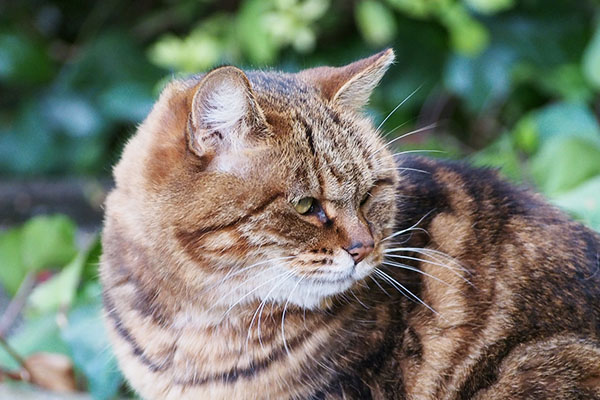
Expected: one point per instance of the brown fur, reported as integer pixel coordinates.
(503, 288)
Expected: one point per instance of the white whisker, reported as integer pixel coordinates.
(284, 277)
(250, 292)
(395, 282)
(416, 151)
(431, 253)
(264, 303)
(409, 268)
(405, 169)
(410, 228)
(430, 126)
(398, 106)
(283, 315)
(233, 272)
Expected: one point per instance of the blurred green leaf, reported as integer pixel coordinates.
(127, 101)
(42, 242)
(468, 36)
(489, 6)
(501, 154)
(12, 269)
(555, 120)
(564, 162)
(72, 114)
(591, 60)
(23, 61)
(375, 21)
(583, 202)
(59, 292)
(48, 241)
(198, 52)
(414, 8)
(252, 34)
(482, 81)
(88, 343)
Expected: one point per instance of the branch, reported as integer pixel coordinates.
(25, 373)
(17, 303)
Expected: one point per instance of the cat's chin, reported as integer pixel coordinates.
(311, 292)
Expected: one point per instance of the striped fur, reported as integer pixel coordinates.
(216, 288)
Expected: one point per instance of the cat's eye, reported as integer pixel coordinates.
(304, 205)
(367, 196)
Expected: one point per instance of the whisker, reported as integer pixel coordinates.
(379, 285)
(430, 126)
(414, 227)
(433, 254)
(397, 127)
(264, 303)
(366, 307)
(453, 269)
(409, 268)
(398, 106)
(233, 272)
(416, 151)
(249, 293)
(283, 315)
(284, 277)
(406, 169)
(395, 282)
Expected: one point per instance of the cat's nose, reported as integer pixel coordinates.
(359, 250)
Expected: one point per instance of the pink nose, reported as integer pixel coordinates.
(359, 251)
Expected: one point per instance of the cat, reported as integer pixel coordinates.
(262, 242)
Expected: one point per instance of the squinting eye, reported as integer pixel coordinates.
(304, 205)
(364, 200)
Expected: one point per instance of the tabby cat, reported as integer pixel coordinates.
(262, 242)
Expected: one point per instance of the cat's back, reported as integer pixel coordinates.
(527, 322)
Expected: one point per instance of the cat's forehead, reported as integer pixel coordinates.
(335, 146)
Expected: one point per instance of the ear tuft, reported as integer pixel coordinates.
(350, 85)
(223, 111)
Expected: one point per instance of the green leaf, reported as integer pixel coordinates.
(59, 292)
(414, 8)
(483, 80)
(88, 344)
(22, 61)
(375, 21)
(468, 36)
(565, 162)
(500, 154)
(252, 35)
(48, 241)
(12, 269)
(490, 6)
(583, 202)
(591, 60)
(127, 101)
(557, 120)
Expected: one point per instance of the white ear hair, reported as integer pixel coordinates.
(223, 113)
(225, 106)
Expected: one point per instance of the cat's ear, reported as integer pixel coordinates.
(224, 113)
(350, 85)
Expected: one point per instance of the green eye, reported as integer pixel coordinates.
(304, 205)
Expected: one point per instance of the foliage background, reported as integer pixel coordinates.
(514, 85)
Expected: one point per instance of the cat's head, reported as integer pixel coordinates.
(262, 185)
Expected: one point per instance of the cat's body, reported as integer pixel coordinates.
(501, 302)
